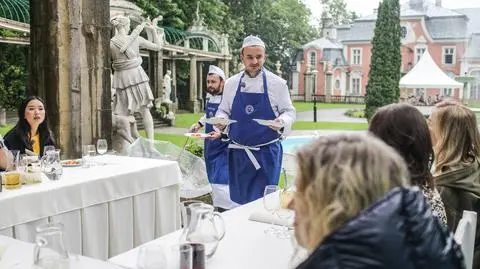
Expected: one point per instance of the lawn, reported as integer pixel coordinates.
(308, 125)
(185, 120)
(306, 106)
(4, 129)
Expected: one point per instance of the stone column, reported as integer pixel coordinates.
(156, 73)
(70, 69)
(193, 102)
(200, 86)
(173, 68)
(224, 65)
(308, 85)
(328, 87)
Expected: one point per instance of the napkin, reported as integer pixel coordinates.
(267, 217)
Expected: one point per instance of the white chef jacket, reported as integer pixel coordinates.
(212, 99)
(277, 92)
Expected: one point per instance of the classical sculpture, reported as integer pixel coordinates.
(131, 83)
(167, 87)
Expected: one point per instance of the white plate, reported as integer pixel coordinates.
(269, 123)
(222, 121)
(197, 135)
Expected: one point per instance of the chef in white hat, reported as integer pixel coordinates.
(215, 150)
(253, 98)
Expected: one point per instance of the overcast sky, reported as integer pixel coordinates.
(365, 7)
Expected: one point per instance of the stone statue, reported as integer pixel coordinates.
(131, 83)
(167, 87)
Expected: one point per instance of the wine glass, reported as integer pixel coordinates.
(285, 213)
(271, 202)
(102, 146)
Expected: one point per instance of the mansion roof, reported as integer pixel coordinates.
(441, 23)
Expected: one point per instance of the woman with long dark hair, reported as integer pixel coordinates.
(32, 132)
(404, 128)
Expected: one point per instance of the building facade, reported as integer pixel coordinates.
(338, 63)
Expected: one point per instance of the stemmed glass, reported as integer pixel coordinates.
(284, 213)
(102, 146)
(271, 202)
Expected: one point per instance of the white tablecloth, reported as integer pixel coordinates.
(19, 255)
(107, 209)
(245, 244)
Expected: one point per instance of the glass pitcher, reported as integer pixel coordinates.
(205, 227)
(51, 164)
(50, 251)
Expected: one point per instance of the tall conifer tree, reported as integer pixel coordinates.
(384, 76)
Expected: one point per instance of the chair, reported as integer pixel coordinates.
(465, 236)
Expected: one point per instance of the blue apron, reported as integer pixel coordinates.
(215, 152)
(255, 152)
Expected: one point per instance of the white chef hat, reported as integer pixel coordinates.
(252, 40)
(212, 69)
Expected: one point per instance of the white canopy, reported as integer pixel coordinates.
(427, 74)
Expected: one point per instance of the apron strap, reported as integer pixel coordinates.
(248, 150)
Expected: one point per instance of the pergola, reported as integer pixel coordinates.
(197, 44)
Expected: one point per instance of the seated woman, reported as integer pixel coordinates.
(404, 128)
(31, 133)
(354, 209)
(456, 168)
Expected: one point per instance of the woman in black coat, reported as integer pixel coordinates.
(32, 132)
(354, 209)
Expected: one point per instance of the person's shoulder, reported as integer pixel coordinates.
(233, 80)
(272, 78)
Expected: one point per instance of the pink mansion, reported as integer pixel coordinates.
(340, 60)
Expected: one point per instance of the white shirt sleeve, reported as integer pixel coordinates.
(203, 119)
(277, 93)
(229, 90)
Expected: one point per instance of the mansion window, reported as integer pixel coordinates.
(475, 86)
(313, 60)
(356, 86)
(448, 55)
(447, 92)
(419, 53)
(356, 58)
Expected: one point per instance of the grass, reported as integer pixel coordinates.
(186, 120)
(308, 125)
(5, 128)
(178, 140)
(307, 106)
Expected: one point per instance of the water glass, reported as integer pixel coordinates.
(151, 257)
(181, 257)
(102, 146)
(88, 151)
(47, 149)
(271, 202)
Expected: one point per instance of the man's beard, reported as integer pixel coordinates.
(214, 91)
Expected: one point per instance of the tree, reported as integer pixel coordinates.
(338, 12)
(13, 72)
(384, 76)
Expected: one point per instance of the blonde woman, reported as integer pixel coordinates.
(456, 141)
(354, 209)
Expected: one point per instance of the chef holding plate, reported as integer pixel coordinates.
(260, 103)
(215, 146)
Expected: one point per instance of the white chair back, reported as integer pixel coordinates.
(465, 236)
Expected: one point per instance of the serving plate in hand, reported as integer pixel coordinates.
(221, 121)
(269, 123)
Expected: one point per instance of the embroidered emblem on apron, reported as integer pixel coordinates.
(249, 109)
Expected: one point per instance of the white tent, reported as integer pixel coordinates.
(427, 74)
